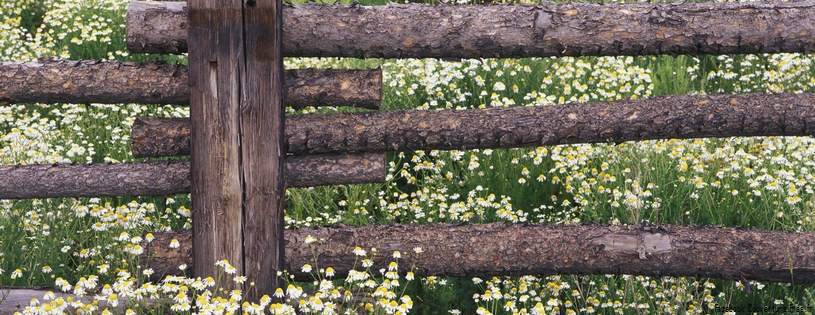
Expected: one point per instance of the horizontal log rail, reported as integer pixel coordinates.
(484, 250)
(664, 117)
(547, 29)
(88, 81)
(172, 177)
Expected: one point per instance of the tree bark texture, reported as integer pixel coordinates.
(95, 180)
(173, 177)
(113, 82)
(484, 250)
(90, 81)
(663, 117)
(158, 27)
(333, 87)
(335, 169)
(547, 29)
(152, 136)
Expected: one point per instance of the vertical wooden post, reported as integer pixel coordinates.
(236, 111)
(215, 62)
(262, 145)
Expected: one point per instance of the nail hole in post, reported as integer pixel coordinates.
(251, 3)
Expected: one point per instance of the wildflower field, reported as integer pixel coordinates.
(90, 246)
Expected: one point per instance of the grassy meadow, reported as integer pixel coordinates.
(89, 246)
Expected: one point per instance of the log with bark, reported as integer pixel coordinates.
(484, 250)
(664, 117)
(547, 29)
(60, 81)
(152, 135)
(173, 177)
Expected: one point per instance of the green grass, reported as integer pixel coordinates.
(762, 182)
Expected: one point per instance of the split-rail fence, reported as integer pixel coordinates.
(244, 152)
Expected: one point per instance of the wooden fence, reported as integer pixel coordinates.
(236, 135)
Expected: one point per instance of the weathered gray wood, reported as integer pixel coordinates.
(173, 177)
(86, 81)
(216, 63)
(547, 29)
(497, 249)
(664, 117)
(262, 122)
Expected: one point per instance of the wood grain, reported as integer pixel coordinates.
(262, 122)
(215, 65)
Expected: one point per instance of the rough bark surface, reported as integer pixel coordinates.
(165, 260)
(547, 29)
(95, 180)
(151, 135)
(162, 27)
(484, 250)
(173, 177)
(335, 169)
(59, 81)
(657, 118)
(88, 81)
(333, 87)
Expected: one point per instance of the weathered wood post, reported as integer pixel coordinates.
(262, 123)
(235, 67)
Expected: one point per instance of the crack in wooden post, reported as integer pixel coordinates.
(236, 113)
(262, 120)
